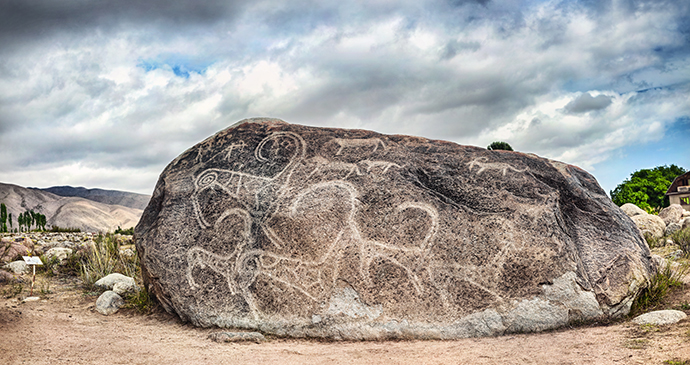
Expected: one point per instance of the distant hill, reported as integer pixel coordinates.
(73, 212)
(113, 197)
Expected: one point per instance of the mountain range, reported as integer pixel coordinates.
(90, 210)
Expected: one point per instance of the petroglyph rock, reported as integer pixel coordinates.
(350, 234)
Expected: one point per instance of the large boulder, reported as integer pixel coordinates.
(351, 234)
(650, 223)
(632, 210)
(671, 214)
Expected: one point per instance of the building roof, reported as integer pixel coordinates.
(680, 180)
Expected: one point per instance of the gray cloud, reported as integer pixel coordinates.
(586, 103)
(109, 88)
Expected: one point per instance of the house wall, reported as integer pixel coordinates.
(682, 199)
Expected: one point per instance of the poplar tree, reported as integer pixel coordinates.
(3, 218)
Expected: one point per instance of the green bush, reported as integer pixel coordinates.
(682, 239)
(64, 230)
(499, 146)
(652, 241)
(666, 279)
(129, 231)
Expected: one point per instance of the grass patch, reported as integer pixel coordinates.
(682, 239)
(104, 258)
(636, 344)
(653, 242)
(659, 287)
(677, 362)
(141, 301)
(12, 290)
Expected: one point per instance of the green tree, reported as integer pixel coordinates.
(646, 188)
(3, 218)
(499, 146)
(9, 217)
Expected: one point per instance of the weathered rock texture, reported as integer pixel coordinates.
(632, 210)
(650, 223)
(671, 214)
(350, 234)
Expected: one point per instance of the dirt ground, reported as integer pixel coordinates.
(64, 328)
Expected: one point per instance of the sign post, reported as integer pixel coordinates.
(32, 261)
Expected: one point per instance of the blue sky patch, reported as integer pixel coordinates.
(180, 65)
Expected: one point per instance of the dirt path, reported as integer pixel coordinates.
(64, 328)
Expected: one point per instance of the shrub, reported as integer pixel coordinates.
(64, 230)
(129, 231)
(682, 239)
(499, 146)
(666, 279)
(104, 258)
(652, 241)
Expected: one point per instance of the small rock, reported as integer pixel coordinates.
(675, 255)
(672, 228)
(13, 251)
(27, 242)
(660, 317)
(108, 303)
(686, 223)
(632, 210)
(31, 299)
(237, 337)
(686, 213)
(124, 287)
(18, 267)
(5, 277)
(109, 281)
(61, 253)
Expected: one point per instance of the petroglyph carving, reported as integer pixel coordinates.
(383, 165)
(325, 166)
(344, 143)
(500, 166)
(239, 146)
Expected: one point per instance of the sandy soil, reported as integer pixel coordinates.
(64, 328)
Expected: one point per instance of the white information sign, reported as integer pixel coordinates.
(32, 260)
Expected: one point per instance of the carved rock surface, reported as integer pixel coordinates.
(351, 234)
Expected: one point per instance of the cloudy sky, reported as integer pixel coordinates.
(106, 93)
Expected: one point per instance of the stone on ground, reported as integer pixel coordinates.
(109, 281)
(123, 287)
(61, 253)
(237, 337)
(350, 234)
(660, 317)
(671, 214)
(18, 267)
(632, 209)
(672, 228)
(109, 302)
(650, 223)
(14, 251)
